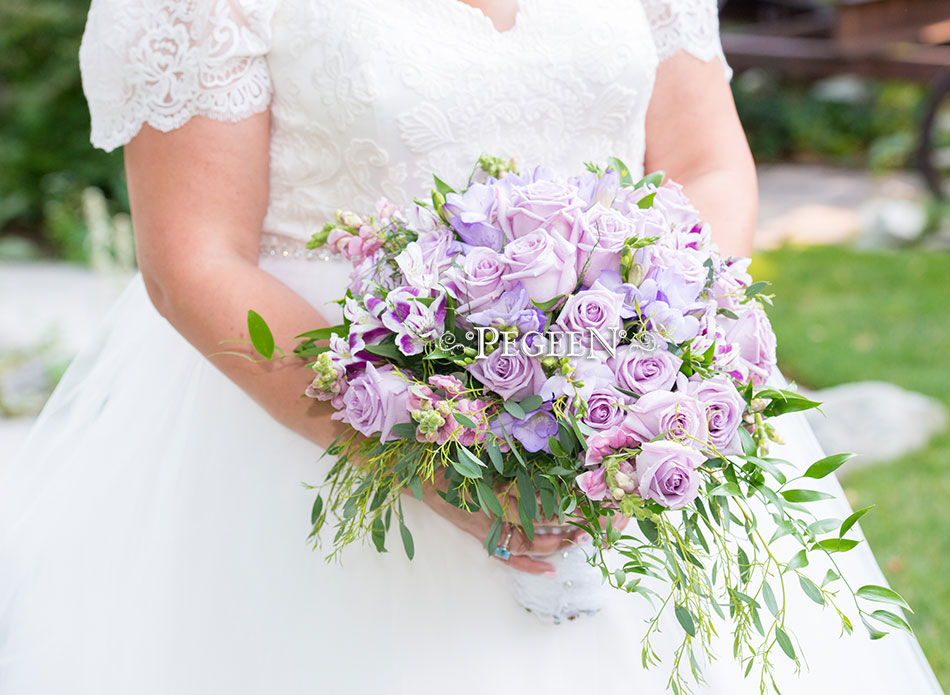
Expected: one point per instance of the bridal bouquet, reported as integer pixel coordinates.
(579, 342)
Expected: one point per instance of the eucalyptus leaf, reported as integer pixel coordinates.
(799, 560)
(811, 589)
(769, 597)
(515, 410)
(531, 403)
(852, 520)
(892, 620)
(407, 542)
(836, 545)
(494, 454)
(785, 643)
(464, 420)
(800, 496)
(317, 510)
(487, 498)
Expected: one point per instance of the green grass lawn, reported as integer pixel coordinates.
(843, 315)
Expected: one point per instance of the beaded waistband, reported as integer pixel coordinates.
(281, 246)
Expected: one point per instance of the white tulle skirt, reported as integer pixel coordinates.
(153, 541)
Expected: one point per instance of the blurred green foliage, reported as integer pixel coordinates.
(44, 126)
(842, 121)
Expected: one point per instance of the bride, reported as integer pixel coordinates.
(152, 532)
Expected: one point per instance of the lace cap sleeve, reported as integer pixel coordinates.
(163, 61)
(686, 25)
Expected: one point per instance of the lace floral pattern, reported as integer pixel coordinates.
(369, 97)
(163, 61)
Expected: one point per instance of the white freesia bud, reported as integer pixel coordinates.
(618, 494)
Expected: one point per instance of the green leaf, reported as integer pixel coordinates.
(406, 430)
(515, 410)
(881, 594)
(441, 186)
(378, 535)
(531, 403)
(830, 576)
(852, 520)
(622, 170)
(487, 498)
(747, 442)
(755, 288)
(526, 494)
(769, 599)
(407, 543)
(646, 201)
(416, 486)
(649, 530)
(544, 307)
(829, 464)
(527, 522)
(836, 545)
(823, 526)
(654, 179)
(322, 333)
(555, 446)
(466, 467)
(872, 630)
(548, 501)
(805, 495)
(892, 620)
(811, 589)
(768, 466)
(494, 453)
(725, 490)
(464, 420)
(317, 510)
(685, 619)
(261, 337)
(788, 402)
(799, 560)
(785, 643)
(387, 350)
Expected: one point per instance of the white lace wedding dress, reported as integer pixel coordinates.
(152, 531)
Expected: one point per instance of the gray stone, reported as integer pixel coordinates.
(876, 420)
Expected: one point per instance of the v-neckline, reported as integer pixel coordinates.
(487, 21)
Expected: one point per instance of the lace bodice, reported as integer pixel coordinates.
(370, 97)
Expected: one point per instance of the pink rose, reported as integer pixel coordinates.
(666, 473)
(548, 204)
(543, 263)
(597, 309)
(593, 483)
(603, 444)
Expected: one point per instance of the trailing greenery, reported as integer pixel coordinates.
(852, 316)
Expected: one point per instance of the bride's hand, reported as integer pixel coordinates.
(478, 526)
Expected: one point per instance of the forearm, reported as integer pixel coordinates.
(207, 302)
(727, 201)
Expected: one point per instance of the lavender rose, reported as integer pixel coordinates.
(594, 310)
(510, 374)
(374, 401)
(752, 334)
(544, 263)
(674, 416)
(666, 473)
(724, 406)
(548, 204)
(477, 282)
(643, 371)
(606, 409)
(600, 233)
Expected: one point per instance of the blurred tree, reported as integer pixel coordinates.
(44, 126)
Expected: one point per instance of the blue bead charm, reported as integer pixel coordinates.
(502, 553)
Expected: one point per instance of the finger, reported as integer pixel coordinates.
(523, 563)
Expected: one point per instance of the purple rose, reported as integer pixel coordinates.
(752, 334)
(374, 401)
(544, 204)
(606, 409)
(601, 233)
(471, 215)
(510, 374)
(674, 416)
(532, 432)
(675, 207)
(666, 473)
(642, 371)
(544, 263)
(477, 282)
(724, 408)
(596, 310)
